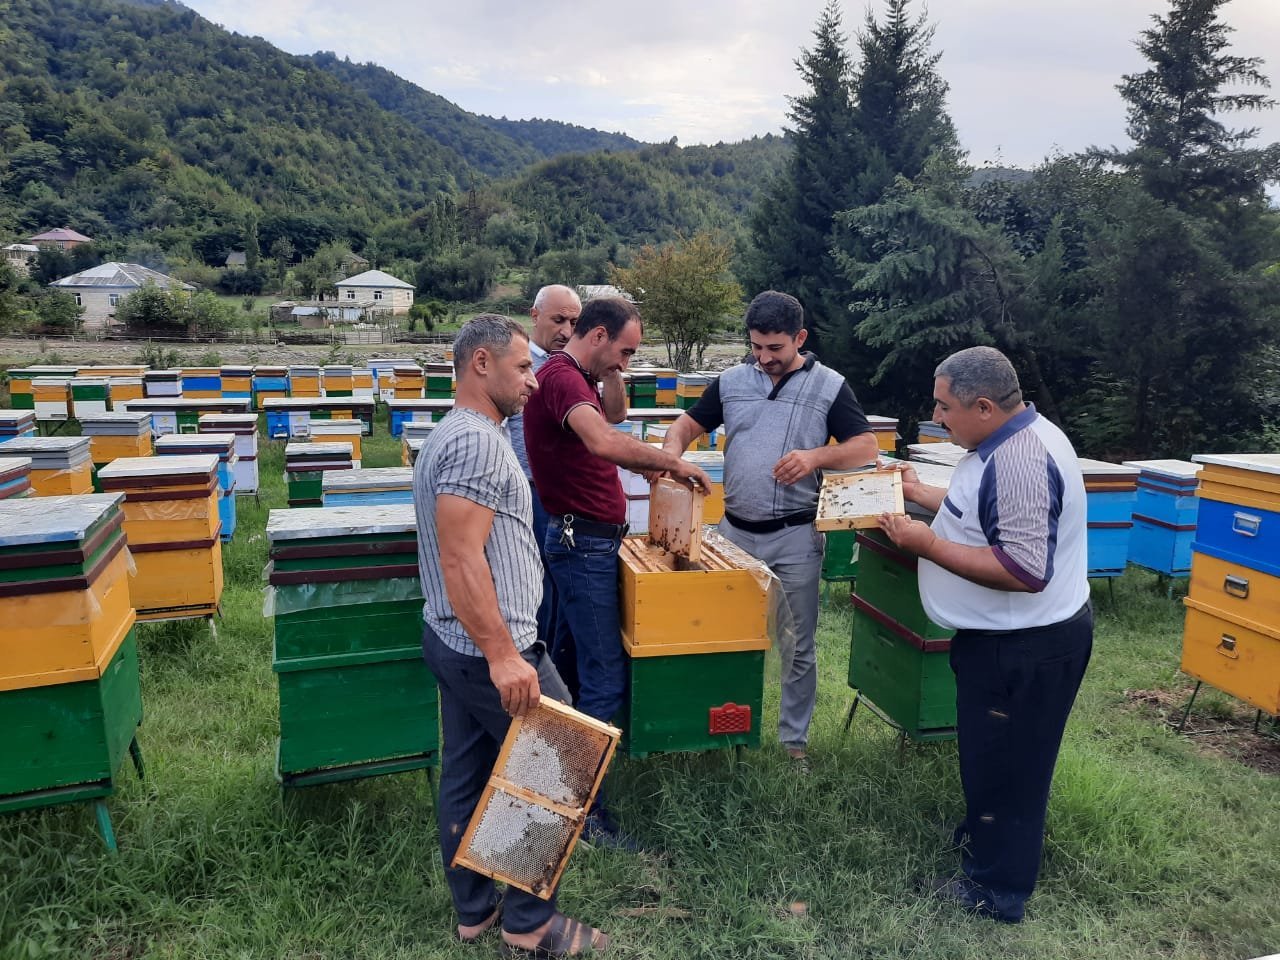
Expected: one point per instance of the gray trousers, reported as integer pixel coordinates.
(794, 554)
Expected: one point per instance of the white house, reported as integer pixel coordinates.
(378, 290)
(19, 256)
(99, 289)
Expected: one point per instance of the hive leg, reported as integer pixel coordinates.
(1187, 712)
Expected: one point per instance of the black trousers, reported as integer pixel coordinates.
(1014, 691)
(472, 728)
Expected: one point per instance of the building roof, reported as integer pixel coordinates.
(236, 258)
(122, 275)
(62, 233)
(375, 278)
(23, 247)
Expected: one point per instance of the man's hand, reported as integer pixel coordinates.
(911, 535)
(517, 683)
(690, 473)
(795, 466)
(910, 479)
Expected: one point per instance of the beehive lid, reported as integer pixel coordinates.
(122, 424)
(373, 478)
(948, 454)
(855, 501)
(145, 468)
(882, 424)
(675, 518)
(339, 427)
(235, 422)
(306, 523)
(54, 519)
(416, 403)
(19, 418)
(1167, 469)
(11, 467)
(1103, 470)
(219, 443)
(1258, 462)
(316, 451)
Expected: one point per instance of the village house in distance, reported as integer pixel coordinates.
(64, 238)
(376, 292)
(99, 289)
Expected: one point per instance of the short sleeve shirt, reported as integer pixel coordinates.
(468, 455)
(569, 477)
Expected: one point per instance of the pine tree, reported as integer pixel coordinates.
(791, 227)
(1182, 151)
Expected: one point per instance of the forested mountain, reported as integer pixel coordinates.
(146, 126)
(497, 147)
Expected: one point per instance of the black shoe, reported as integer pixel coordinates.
(601, 831)
(968, 896)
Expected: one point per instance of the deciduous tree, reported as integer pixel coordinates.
(685, 291)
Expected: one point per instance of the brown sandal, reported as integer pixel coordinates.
(564, 937)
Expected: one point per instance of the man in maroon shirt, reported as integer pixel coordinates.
(574, 454)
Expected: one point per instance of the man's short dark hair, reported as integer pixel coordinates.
(775, 312)
(612, 313)
(491, 331)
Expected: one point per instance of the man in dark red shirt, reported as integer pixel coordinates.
(574, 454)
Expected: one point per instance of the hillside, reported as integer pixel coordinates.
(171, 141)
(497, 147)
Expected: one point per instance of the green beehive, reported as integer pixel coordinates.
(65, 742)
(693, 702)
(356, 697)
(899, 658)
(840, 557)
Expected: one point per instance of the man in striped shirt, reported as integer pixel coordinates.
(482, 581)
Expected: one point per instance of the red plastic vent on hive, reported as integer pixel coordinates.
(730, 718)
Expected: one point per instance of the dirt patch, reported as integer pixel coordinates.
(1225, 732)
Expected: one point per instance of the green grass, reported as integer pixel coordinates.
(1154, 847)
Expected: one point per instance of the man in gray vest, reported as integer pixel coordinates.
(779, 409)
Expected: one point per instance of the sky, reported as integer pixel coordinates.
(1028, 78)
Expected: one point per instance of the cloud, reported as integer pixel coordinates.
(1023, 77)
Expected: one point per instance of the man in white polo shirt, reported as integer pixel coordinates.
(1004, 565)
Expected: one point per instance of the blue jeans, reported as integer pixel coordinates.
(586, 578)
(473, 726)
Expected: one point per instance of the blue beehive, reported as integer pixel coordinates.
(1111, 491)
(1164, 516)
(371, 487)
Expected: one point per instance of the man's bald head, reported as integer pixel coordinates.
(555, 312)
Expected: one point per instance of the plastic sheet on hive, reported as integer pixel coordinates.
(295, 598)
(780, 624)
(533, 808)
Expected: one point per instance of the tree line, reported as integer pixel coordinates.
(1136, 288)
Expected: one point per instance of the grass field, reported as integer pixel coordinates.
(1157, 846)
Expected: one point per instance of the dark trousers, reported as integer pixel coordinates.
(472, 727)
(1014, 692)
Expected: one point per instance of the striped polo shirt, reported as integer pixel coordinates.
(468, 455)
(1020, 493)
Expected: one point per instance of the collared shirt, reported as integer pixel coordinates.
(1022, 495)
(467, 455)
(569, 477)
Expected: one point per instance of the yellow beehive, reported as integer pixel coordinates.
(1233, 653)
(168, 500)
(61, 483)
(178, 583)
(702, 601)
(52, 397)
(106, 449)
(66, 635)
(116, 370)
(121, 389)
(339, 430)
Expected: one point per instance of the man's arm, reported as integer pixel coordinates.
(976, 564)
(613, 397)
(927, 496)
(609, 444)
(857, 451)
(464, 527)
(681, 433)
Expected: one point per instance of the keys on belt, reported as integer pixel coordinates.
(566, 532)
